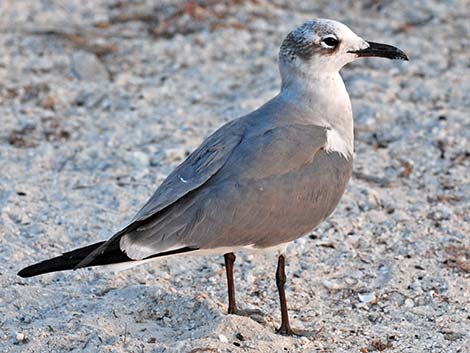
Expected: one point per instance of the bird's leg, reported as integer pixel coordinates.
(285, 328)
(254, 314)
(229, 260)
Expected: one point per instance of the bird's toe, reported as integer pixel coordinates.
(288, 331)
(254, 314)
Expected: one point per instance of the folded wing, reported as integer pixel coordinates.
(245, 202)
(199, 167)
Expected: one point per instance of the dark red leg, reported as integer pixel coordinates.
(285, 328)
(232, 304)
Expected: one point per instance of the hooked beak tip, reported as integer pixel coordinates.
(381, 50)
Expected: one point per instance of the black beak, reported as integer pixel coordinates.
(381, 50)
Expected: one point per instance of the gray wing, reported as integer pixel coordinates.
(271, 209)
(199, 167)
(195, 170)
(245, 201)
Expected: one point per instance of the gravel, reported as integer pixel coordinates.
(100, 100)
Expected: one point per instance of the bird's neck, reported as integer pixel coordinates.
(324, 101)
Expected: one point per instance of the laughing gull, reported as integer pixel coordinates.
(260, 181)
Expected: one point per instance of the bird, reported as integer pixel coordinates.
(260, 181)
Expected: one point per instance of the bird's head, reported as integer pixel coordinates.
(324, 46)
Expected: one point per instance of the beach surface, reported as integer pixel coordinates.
(100, 100)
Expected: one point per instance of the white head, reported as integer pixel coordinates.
(324, 46)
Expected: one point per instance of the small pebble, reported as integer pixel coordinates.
(409, 303)
(333, 284)
(20, 337)
(240, 337)
(139, 159)
(367, 297)
(86, 66)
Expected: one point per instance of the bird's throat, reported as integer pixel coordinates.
(325, 102)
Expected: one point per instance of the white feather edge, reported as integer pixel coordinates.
(335, 143)
(278, 249)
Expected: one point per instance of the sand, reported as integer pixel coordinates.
(100, 100)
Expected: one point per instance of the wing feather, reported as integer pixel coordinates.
(197, 169)
(233, 210)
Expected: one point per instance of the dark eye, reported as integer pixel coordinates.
(330, 42)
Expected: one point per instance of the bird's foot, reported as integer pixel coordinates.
(254, 314)
(288, 331)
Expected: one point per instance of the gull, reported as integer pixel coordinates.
(258, 182)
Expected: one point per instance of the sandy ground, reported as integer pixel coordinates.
(99, 100)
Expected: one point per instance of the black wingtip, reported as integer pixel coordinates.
(24, 273)
(52, 265)
(66, 261)
(29, 271)
(37, 269)
(70, 260)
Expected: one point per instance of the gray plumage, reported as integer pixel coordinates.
(264, 179)
(260, 181)
(269, 183)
